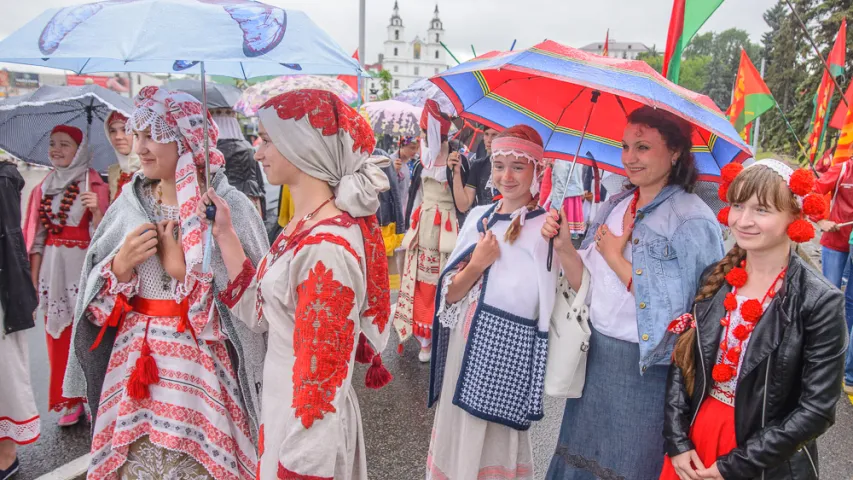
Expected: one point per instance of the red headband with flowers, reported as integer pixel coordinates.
(800, 182)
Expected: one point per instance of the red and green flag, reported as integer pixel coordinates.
(687, 18)
(606, 51)
(822, 98)
(751, 96)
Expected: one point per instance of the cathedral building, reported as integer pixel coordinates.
(410, 60)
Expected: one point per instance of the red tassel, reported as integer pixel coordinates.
(377, 375)
(135, 388)
(146, 367)
(364, 352)
(416, 216)
(447, 225)
(437, 219)
(144, 373)
(400, 349)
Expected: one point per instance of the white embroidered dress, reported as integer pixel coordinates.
(195, 408)
(463, 445)
(309, 293)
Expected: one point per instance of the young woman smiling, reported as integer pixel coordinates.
(644, 251)
(757, 370)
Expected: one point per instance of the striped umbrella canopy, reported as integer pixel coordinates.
(552, 88)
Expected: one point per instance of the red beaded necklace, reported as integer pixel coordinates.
(751, 311)
(46, 214)
(633, 209)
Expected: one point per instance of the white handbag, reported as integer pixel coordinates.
(568, 341)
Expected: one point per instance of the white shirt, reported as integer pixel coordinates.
(612, 309)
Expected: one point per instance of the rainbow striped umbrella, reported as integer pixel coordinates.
(552, 88)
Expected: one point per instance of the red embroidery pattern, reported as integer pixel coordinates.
(327, 113)
(232, 293)
(378, 290)
(323, 340)
(285, 474)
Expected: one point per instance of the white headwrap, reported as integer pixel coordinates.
(327, 139)
(129, 163)
(61, 177)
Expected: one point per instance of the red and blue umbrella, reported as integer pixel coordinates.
(551, 87)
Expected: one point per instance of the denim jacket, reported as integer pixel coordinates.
(675, 237)
(559, 175)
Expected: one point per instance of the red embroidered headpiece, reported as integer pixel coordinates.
(327, 113)
(75, 133)
(116, 116)
(433, 112)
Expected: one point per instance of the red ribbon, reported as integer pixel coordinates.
(681, 324)
(120, 310)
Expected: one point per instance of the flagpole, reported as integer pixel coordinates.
(758, 119)
(817, 51)
(449, 52)
(794, 133)
(362, 55)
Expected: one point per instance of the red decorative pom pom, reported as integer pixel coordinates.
(733, 355)
(730, 171)
(722, 373)
(737, 277)
(741, 333)
(723, 192)
(751, 310)
(814, 206)
(723, 216)
(730, 302)
(725, 321)
(802, 182)
(800, 231)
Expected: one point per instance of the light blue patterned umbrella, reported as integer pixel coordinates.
(235, 38)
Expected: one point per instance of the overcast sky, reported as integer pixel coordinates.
(487, 24)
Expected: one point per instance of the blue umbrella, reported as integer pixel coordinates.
(27, 120)
(235, 38)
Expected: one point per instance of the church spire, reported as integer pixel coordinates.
(395, 18)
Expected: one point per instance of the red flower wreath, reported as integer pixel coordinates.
(801, 182)
(800, 231)
(814, 206)
(737, 277)
(730, 171)
(723, 216)
(723, 192)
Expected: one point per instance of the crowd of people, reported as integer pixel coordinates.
(202, 346)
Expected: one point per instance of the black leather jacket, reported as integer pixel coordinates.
(17, 293)
(790, 379)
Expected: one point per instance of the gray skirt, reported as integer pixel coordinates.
(614, 431)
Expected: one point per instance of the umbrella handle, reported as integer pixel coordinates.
(594, 101)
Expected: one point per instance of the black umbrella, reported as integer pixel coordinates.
(218, 95)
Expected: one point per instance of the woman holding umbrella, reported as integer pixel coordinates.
(62, 214)
(321, 292)
(645, 252)
(171, 377)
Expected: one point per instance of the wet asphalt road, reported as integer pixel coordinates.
(396, 421)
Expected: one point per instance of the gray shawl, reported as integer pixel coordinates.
(246, 349)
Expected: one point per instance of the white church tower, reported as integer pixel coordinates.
(409, 61)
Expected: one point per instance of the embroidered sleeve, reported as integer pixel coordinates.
(103, 303)
(449, 313)
(328, 280)
(237, 287)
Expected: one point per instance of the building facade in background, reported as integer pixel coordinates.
(410, 60)
(14, 83)
(627, 50)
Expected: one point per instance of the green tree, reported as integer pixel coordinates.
(385, 79)
(701, 45)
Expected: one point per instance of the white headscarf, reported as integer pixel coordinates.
(326, 138)
(129, 163)
(56, 182)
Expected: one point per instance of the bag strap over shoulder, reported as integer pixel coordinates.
(580, 296)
